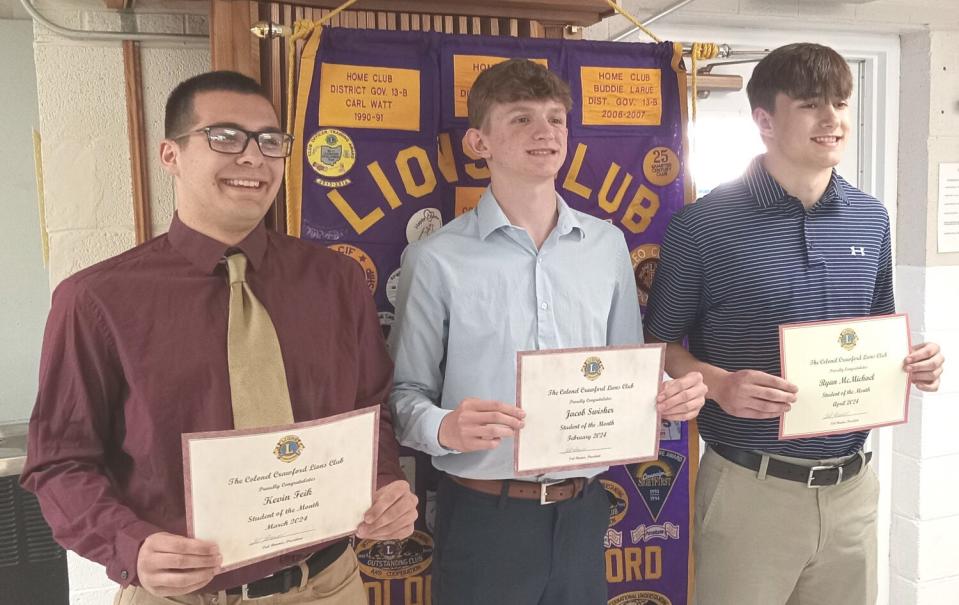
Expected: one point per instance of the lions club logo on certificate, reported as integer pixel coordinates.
(289, 448)
(593, 368)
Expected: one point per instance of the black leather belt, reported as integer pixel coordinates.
(285, 579)
(812, 476)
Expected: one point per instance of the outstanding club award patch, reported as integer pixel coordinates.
(392, 559)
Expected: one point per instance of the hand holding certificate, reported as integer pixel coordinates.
(588, 407)
(849, 374)
(260, 493)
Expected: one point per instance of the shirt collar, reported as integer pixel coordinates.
(491, 217)
(205, 253)
(768, 192)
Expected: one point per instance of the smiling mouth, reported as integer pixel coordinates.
(541, 152)
(244, 183)
(828, 140)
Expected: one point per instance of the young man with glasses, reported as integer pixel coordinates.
(135, 354)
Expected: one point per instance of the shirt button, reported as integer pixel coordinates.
(124, 575)
(544, 306)
(539, 260)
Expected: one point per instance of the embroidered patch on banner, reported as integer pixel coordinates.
(618, 501)
(655, 479)
(390, 559)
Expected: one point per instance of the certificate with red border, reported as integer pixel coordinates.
(849, 374)
(587, 407)
(259, 493)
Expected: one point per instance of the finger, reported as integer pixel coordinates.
(403, 510)
(179, 582)
(677, 416)
(493, 431)
(926, 365)
(768, 380)
(922, 351)
(501, 418)
(397, 508)
(171, 591)
(171, 543)
(485, 405)
(929, 387)
(683, 383)
(396, 530)
(384, 498)
(769, 408)
(475, 444)
(170, 561)
(771, 395)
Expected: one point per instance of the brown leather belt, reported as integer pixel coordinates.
(546, 493)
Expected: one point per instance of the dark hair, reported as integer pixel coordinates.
(514, 80)
(179, 105)
(801, 71)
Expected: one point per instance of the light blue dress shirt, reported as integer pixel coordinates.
(476, 292)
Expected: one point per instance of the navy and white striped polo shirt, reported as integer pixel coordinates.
(748, 257)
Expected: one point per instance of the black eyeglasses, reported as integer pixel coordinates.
(227, 139)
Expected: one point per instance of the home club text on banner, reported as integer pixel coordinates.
(379, 163)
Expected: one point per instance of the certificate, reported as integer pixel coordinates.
(849, 374)
(260, 493)
(587, 407)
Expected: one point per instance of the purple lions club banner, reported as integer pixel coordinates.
(380, 163)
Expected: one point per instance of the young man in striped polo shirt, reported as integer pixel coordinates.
(769, 248)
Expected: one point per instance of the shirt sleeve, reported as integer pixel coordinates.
(676, 295)
(418, 343)
(625, 326)
(74, 432)
(883, 297)
(375, 379)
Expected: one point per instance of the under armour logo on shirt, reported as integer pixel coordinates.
(857, 250)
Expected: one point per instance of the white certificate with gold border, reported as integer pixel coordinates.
(849, 374)
(587, 407)
(260, 493)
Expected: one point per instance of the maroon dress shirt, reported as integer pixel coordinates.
(134, 355)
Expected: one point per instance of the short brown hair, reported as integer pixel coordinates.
(179, 105)
(514, 80)
(801, 71)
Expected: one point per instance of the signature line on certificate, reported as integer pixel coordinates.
(598, 449)
(279, 537)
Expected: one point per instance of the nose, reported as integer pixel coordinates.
(829, 114)
(542, 129)
(251, 154)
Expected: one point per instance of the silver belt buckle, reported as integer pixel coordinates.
(542, 491)
(812, 472)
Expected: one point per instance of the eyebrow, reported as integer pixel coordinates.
(239, 127)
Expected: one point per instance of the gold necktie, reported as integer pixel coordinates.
(257, 378)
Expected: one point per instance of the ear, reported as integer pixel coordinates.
(170, 156)
(764, 121)
(474, 144)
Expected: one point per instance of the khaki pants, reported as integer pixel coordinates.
(769, 541)
(338, 584)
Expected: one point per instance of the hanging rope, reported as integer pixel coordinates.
(639, 24)
(700, 51)
(302, 30)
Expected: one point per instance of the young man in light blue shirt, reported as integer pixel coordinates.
(522, 271)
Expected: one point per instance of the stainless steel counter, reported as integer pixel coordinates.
(13, 448)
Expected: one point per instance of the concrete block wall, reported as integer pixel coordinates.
(925, 522)
(85, 152)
